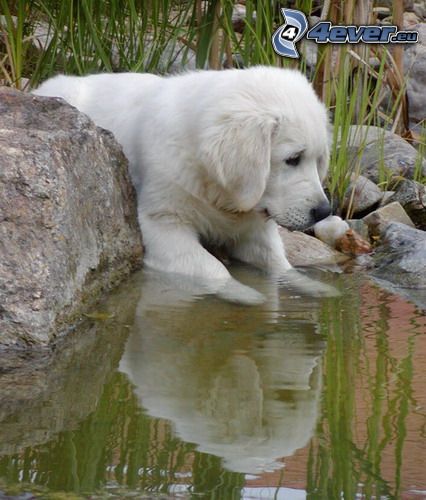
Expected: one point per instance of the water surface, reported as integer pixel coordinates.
(164, 393)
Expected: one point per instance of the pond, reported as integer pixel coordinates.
(165, 394)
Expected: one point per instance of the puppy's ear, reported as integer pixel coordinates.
(237, 154)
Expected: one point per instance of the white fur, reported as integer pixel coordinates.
(207, 155)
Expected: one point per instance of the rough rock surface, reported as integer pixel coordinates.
(415, 67)
(68, 225)
(401, 257)
(387, 195)
(304, 250)
(412, 196)
(380, 218)
(419, 8)
(361, 195)
(383, 150)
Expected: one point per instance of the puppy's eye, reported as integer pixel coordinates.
(294, 160)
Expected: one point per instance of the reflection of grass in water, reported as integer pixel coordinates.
(329, 472)
(144, 453)
(338, 467)
(208, 476)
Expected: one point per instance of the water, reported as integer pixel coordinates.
(166, 394)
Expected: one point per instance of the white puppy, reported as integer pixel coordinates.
(217, 158)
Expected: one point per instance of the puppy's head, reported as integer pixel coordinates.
(268, 147)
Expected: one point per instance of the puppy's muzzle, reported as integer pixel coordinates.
(321, 211)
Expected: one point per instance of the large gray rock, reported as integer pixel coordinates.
(68, 224)
(382, 152)
(361, 195)
(415, 68)
(401, 257)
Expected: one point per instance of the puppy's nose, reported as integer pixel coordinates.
(321, 211)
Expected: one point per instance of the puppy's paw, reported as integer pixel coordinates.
(308, 286)
(234, 291)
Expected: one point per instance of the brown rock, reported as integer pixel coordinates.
(353, 244)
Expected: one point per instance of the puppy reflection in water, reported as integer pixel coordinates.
(241, 383)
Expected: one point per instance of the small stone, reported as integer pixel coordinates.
(374, 62)
(387, 21)
(420, 10)
(330, 229)
(306, 251)
(378, 220)
(361, 195)
(382, 12)
(239, 16)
